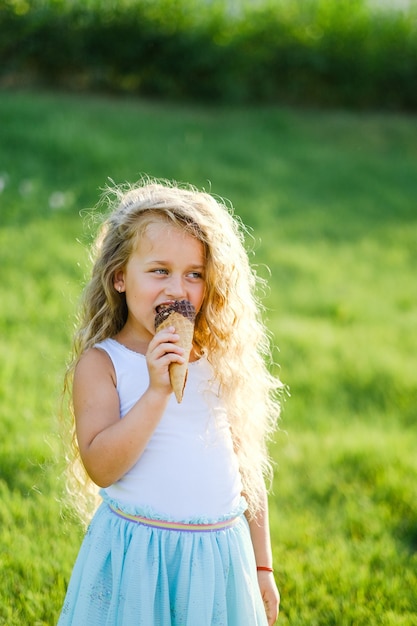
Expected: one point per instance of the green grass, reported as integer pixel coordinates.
(331, 199)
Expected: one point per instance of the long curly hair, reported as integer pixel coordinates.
(229, 329)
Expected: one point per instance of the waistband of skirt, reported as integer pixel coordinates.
(178, 526)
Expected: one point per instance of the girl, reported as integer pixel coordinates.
(181, 537)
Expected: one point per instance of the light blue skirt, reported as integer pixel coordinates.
(133, 574)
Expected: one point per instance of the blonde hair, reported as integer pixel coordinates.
(229, 329)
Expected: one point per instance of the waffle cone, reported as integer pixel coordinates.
(178, 371)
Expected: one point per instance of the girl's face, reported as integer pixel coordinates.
(166, 265)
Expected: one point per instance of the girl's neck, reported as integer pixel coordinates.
(132, 342)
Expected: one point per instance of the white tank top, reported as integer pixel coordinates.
(189, 469)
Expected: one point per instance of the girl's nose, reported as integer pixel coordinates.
(175, 288)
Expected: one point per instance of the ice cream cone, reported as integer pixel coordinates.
(181, 316)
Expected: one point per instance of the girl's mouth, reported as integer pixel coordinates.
(164, 305)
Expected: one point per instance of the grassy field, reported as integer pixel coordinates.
(332, 201)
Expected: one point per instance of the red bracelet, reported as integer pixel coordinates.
(260, 568)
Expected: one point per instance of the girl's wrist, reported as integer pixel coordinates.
(264, 568)
(158, 394)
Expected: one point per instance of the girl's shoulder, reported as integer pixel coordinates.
(113, 356)
(94, 361)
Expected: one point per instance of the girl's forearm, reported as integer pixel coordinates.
(116, 448)
(260, 534)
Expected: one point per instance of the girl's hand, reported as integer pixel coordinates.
(162, 351)
(270, 596)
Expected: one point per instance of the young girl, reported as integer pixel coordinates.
(181, 537)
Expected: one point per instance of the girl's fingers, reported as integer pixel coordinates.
(168, 356)
(163, 350)
(166, 345)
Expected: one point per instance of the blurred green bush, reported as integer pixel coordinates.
(339, 53)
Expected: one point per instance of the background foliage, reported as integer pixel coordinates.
(331, 199)
(347, 53)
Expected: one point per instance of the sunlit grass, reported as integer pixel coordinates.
(331, 201)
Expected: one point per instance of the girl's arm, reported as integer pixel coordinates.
(110, 446)
(260, 535)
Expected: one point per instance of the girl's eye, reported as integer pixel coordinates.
(159, 270)
(195, 275)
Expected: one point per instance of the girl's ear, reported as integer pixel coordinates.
(119, 281)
